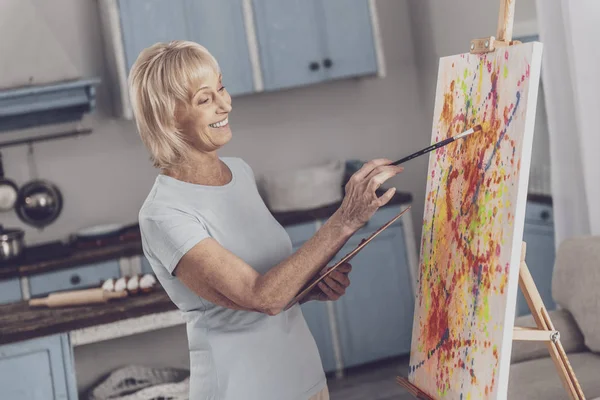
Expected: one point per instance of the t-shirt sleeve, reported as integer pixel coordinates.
(169, 235)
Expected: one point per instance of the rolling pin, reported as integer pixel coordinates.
(77, 297)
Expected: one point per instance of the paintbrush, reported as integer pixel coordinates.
(437, 145)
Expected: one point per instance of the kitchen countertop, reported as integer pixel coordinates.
(133, 247)
(19, 321)
(297, 217)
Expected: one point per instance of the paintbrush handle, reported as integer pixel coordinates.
(425, 150)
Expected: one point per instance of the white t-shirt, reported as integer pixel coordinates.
(233, 354)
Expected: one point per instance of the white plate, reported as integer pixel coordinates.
(99, 230)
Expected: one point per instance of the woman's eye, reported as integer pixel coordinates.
(222, 88)
(203, 101)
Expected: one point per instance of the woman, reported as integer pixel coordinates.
(215, 247)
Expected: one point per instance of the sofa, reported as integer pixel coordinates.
(575, 289)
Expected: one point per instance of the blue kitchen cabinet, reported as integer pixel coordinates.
(289, 42)
(217, 25)
(82, 277)
(375, 315)
(317, 318)
(350, 48)
(10, 291)
(315, 312)
(538, 233)
(307, 41)
(38, 369)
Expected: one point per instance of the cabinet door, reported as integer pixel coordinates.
(376, 313)
(540, 259)
(348, 37)
(38, 369)
(289, 41)
(219, 26)
(216, 25)
(317, 318)
(145, 22)
(315, 312)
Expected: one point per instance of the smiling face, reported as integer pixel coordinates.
(204, 119)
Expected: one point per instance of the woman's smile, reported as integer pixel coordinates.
(221, 124)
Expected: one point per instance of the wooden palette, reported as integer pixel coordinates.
(344, 259)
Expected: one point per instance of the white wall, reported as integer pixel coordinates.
(105, 177)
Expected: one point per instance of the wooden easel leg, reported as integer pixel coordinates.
(412, 389)
(543, 322)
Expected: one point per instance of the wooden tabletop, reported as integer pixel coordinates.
(20, 322)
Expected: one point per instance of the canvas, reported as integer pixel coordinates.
(473, 224)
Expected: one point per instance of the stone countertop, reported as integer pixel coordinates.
(19, 321)
(133, 247)
(298, 217)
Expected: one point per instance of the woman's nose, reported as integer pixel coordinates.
(224, 103)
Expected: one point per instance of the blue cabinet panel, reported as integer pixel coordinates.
(10, 291)
(348, 37)
(216, 25)
(376, 313)
(145, 22)
(74, 278)
(315, 314)
(219, 26)
(38, 369)
(289, 40)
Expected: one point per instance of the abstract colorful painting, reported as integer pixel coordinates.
(473, 224)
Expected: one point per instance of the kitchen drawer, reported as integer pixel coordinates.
(537, 213)
(10, 291)
(74, 278)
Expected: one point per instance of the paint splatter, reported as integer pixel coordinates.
(466, 247)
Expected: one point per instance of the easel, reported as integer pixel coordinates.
(545, 330)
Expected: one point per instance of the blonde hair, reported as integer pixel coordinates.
(162, 76)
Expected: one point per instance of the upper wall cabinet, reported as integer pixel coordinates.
(132, 25)
(308, 41)
(259, 44)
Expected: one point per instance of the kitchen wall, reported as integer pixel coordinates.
(105, 176)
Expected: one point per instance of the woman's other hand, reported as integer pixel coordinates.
(360, 201)
(334, 286)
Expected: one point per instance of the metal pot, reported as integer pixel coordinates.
(11, 243)
(39, 204)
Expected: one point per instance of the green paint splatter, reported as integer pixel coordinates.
(505, 71)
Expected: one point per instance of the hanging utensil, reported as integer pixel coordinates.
(39, 202)
(8, 190)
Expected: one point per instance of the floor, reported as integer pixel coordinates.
(375, 381)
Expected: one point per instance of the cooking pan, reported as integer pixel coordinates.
(39, 203)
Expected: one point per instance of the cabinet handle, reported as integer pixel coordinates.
(314, 66)
(75, 279)
(545, 215)
(327, 63)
